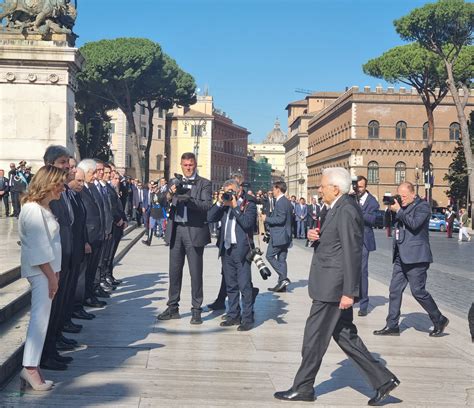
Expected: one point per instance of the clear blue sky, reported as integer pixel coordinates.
(253, 54)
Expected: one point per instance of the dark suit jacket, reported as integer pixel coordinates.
(335, 268)
(4, 186)
(301, 212)
(94, 217)
(279, 222)
(79, 229)
(312, 214)
(61, 211)
(200, 201)
(136, 202)
(266, 205)
(115, 204)
(369, 211)
(246, 220)
(413, 243)
(104, 204)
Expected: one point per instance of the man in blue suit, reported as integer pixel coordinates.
(279, 223)
(369, 206)
(301, 212)
(411, 260)
(238, 222)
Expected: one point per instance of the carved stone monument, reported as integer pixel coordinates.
(38, 68)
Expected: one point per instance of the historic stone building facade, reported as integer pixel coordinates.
(296, 146)
(380, 134)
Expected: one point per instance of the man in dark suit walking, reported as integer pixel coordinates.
(333, 285)
(411, 260)
(279, 223)
(238, 220)
(369, 206)
(187, 234)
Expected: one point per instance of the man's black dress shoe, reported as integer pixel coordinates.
(281, 286)
(65, 340)
(61, 346)
(362, 313)
(291, 395)
(388, 331)
(100, 293)
(255, 292)
(384, 391)
(82, 315)
(76, 325)
(230, 322)
(146, 242)
(52, 364)
(169, 313)
(63, 359)
(196, 317)
(94, 302)
(217, 305)
(439, 329)
(116, 282)
(106, 287)
(245, 327)
(110, 282)
(71, 328)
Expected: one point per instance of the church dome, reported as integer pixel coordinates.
(275, 136)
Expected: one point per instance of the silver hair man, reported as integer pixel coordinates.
(231, 182)
(340, 177)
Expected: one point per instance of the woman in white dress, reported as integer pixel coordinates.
(40, 264)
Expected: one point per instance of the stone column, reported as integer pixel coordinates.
(37, 96)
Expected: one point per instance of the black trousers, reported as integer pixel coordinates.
(16, 203)
(101, 271)
(415, 275)
(326, 320)
(238, 281)
(80, 293)
(364, 281)
(92, 266)
(117, 234)
(58, 307)
(6, 204)
(139, 215)
(70, 296)
(180, 249)
(470, 317)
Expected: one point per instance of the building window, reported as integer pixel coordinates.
(400, 172)
(425, 131)
(196, 130)
(112, 128)
(373, 172)
(401, 130)
(374, 129)
(454, 131)
(142, 110)
(159, 133)
(128, 160)
(159, 159)
(175, 132)
(143, 131)
(160, 112)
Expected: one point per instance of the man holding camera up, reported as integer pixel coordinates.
(279, 223)
(411, 259)
(187, 234)
(238, 222)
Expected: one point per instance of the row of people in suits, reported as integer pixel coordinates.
(13, 186)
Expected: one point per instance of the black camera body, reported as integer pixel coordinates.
(388, 199)
(266, 237)
(255, 256)
(228, 195)
(182, 186)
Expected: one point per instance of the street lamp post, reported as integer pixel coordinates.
(198, 127)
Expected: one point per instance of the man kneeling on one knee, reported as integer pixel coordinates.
(236, 240)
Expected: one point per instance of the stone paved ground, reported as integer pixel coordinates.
(128, 359)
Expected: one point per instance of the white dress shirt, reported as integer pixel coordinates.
(40, 240)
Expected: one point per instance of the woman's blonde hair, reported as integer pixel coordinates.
(44, 181)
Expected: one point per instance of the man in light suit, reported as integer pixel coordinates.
(279, 224)
(411, 260)
(238, 220)
(333, 286)
(369, 206)
(187, 233)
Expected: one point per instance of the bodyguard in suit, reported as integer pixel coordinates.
(187, 234)
(235, 242)
(313, 213)
(411, 260)
(279, 223)
(369, 206)
(137, 202)
(301, 212)
(4, 192)
(333, 286)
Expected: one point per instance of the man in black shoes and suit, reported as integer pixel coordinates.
(187, 234)
(333, 285)
(238, 220)
(411, 260)
(279, 224)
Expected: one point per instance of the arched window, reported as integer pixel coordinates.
(454, 131)
(374, 129)
(425, 131)
(401, 130)
(400, 172)
(373, 172)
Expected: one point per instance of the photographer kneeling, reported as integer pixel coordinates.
(235, 242)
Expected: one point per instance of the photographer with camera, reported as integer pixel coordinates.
(235, 243)
(187, 234)
(411, 259)
(279, 240)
